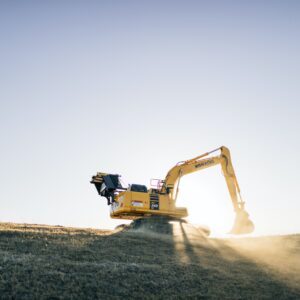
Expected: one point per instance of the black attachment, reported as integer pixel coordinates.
(138, 188)
(107, 185)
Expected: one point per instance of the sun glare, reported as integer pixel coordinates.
(207, 199)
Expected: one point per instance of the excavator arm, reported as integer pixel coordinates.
(171, 184)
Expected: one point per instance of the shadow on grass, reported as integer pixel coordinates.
(130, 264)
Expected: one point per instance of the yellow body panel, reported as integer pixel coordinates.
(132, 205)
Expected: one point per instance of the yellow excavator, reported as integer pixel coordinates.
(136, 201)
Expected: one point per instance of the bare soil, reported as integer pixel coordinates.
(54, 262)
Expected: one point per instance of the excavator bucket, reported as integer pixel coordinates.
(242, 223)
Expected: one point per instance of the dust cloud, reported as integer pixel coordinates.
(277, 256)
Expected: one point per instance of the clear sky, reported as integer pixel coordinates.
(133, 87)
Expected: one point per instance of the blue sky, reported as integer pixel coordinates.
(132, 87)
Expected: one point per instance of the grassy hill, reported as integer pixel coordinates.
(38, 262)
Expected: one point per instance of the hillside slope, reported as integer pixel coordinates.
(62, 263)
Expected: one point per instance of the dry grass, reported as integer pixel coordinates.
(38, 262)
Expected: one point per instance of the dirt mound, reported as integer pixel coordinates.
(163, 225)
(57, 262)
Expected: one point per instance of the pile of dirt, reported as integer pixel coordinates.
(58, 262)
(161, 225)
